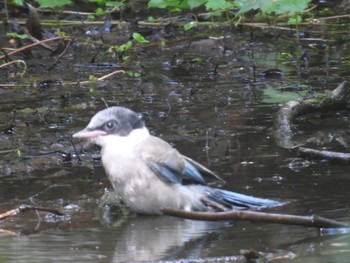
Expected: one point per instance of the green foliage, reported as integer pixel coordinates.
(123, 47)
(278, 7)
(18, 2)
(174, 5)
(268, 7)
(294, 20)
(217, 5)
(16, 35)
(139, 38)
(190, 25)
(45, 3)
(53, 3)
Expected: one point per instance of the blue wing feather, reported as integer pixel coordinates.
(166, 173)
(186, 172)
(236, 200)
(192, 175)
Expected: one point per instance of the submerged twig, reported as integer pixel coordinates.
(308, 221)
(111, 74)
(25, 208)
(99, 79)
(58, 59)
(39, 42)
(336, 157)
(30, 45)
(16, 62)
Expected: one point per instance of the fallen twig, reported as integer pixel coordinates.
(39, 42)
(119, 71)
(16, 62)
(58, 59)
(30, 45)
(309, 221)
(337, 157)
(25, 208)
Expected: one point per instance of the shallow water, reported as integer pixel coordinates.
(223, 120)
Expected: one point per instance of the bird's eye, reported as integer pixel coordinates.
(110, 125)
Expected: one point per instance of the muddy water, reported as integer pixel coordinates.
(222, 118)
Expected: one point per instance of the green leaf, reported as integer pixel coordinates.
(291, 6)
(92, 78)
(196, 3)
(173, 5)
(53, 3)
(124, 47)
(269, 7)
(91, 17)
(151, 19)
(100, 12)
(100, 2)
(18, 2)
(197, 59)
(139, 38)
(133, 74)
(219, 5)
(162, 3)
(295, 20)
(16, 35)
(190, 25)
(116, 4)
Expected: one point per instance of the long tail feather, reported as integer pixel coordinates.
(241, 201)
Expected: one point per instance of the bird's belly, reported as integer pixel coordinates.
(151, 196)
(145, 192)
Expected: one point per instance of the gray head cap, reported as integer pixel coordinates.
(116, 120)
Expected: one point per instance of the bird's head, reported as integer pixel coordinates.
(113, 122)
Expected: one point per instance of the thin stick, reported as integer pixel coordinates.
(99, 79)
(111, 74)
(309, 221)
(334, 157)
(35, 40)
(58, 59)
(30, 45)
(25, 208)
(16, 62)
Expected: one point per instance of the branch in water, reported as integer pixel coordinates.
(309, 221)
(334, 157)
(25, 208)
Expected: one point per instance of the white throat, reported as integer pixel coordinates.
(118, 143)
(119, 152)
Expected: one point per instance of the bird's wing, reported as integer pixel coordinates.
(196, 170)
(169, 165)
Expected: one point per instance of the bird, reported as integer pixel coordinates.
(149, 174)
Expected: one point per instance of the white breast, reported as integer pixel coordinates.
(135, 182)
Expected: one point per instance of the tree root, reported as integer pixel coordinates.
(287, 114)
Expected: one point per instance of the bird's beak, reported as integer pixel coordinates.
(88, 134)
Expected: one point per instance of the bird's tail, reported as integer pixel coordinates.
(234, 200)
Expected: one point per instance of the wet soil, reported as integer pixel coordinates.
(207, 95)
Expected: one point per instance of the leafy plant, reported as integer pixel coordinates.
(46, 3)
(16, 35)
(268, 7)
(127, 45)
